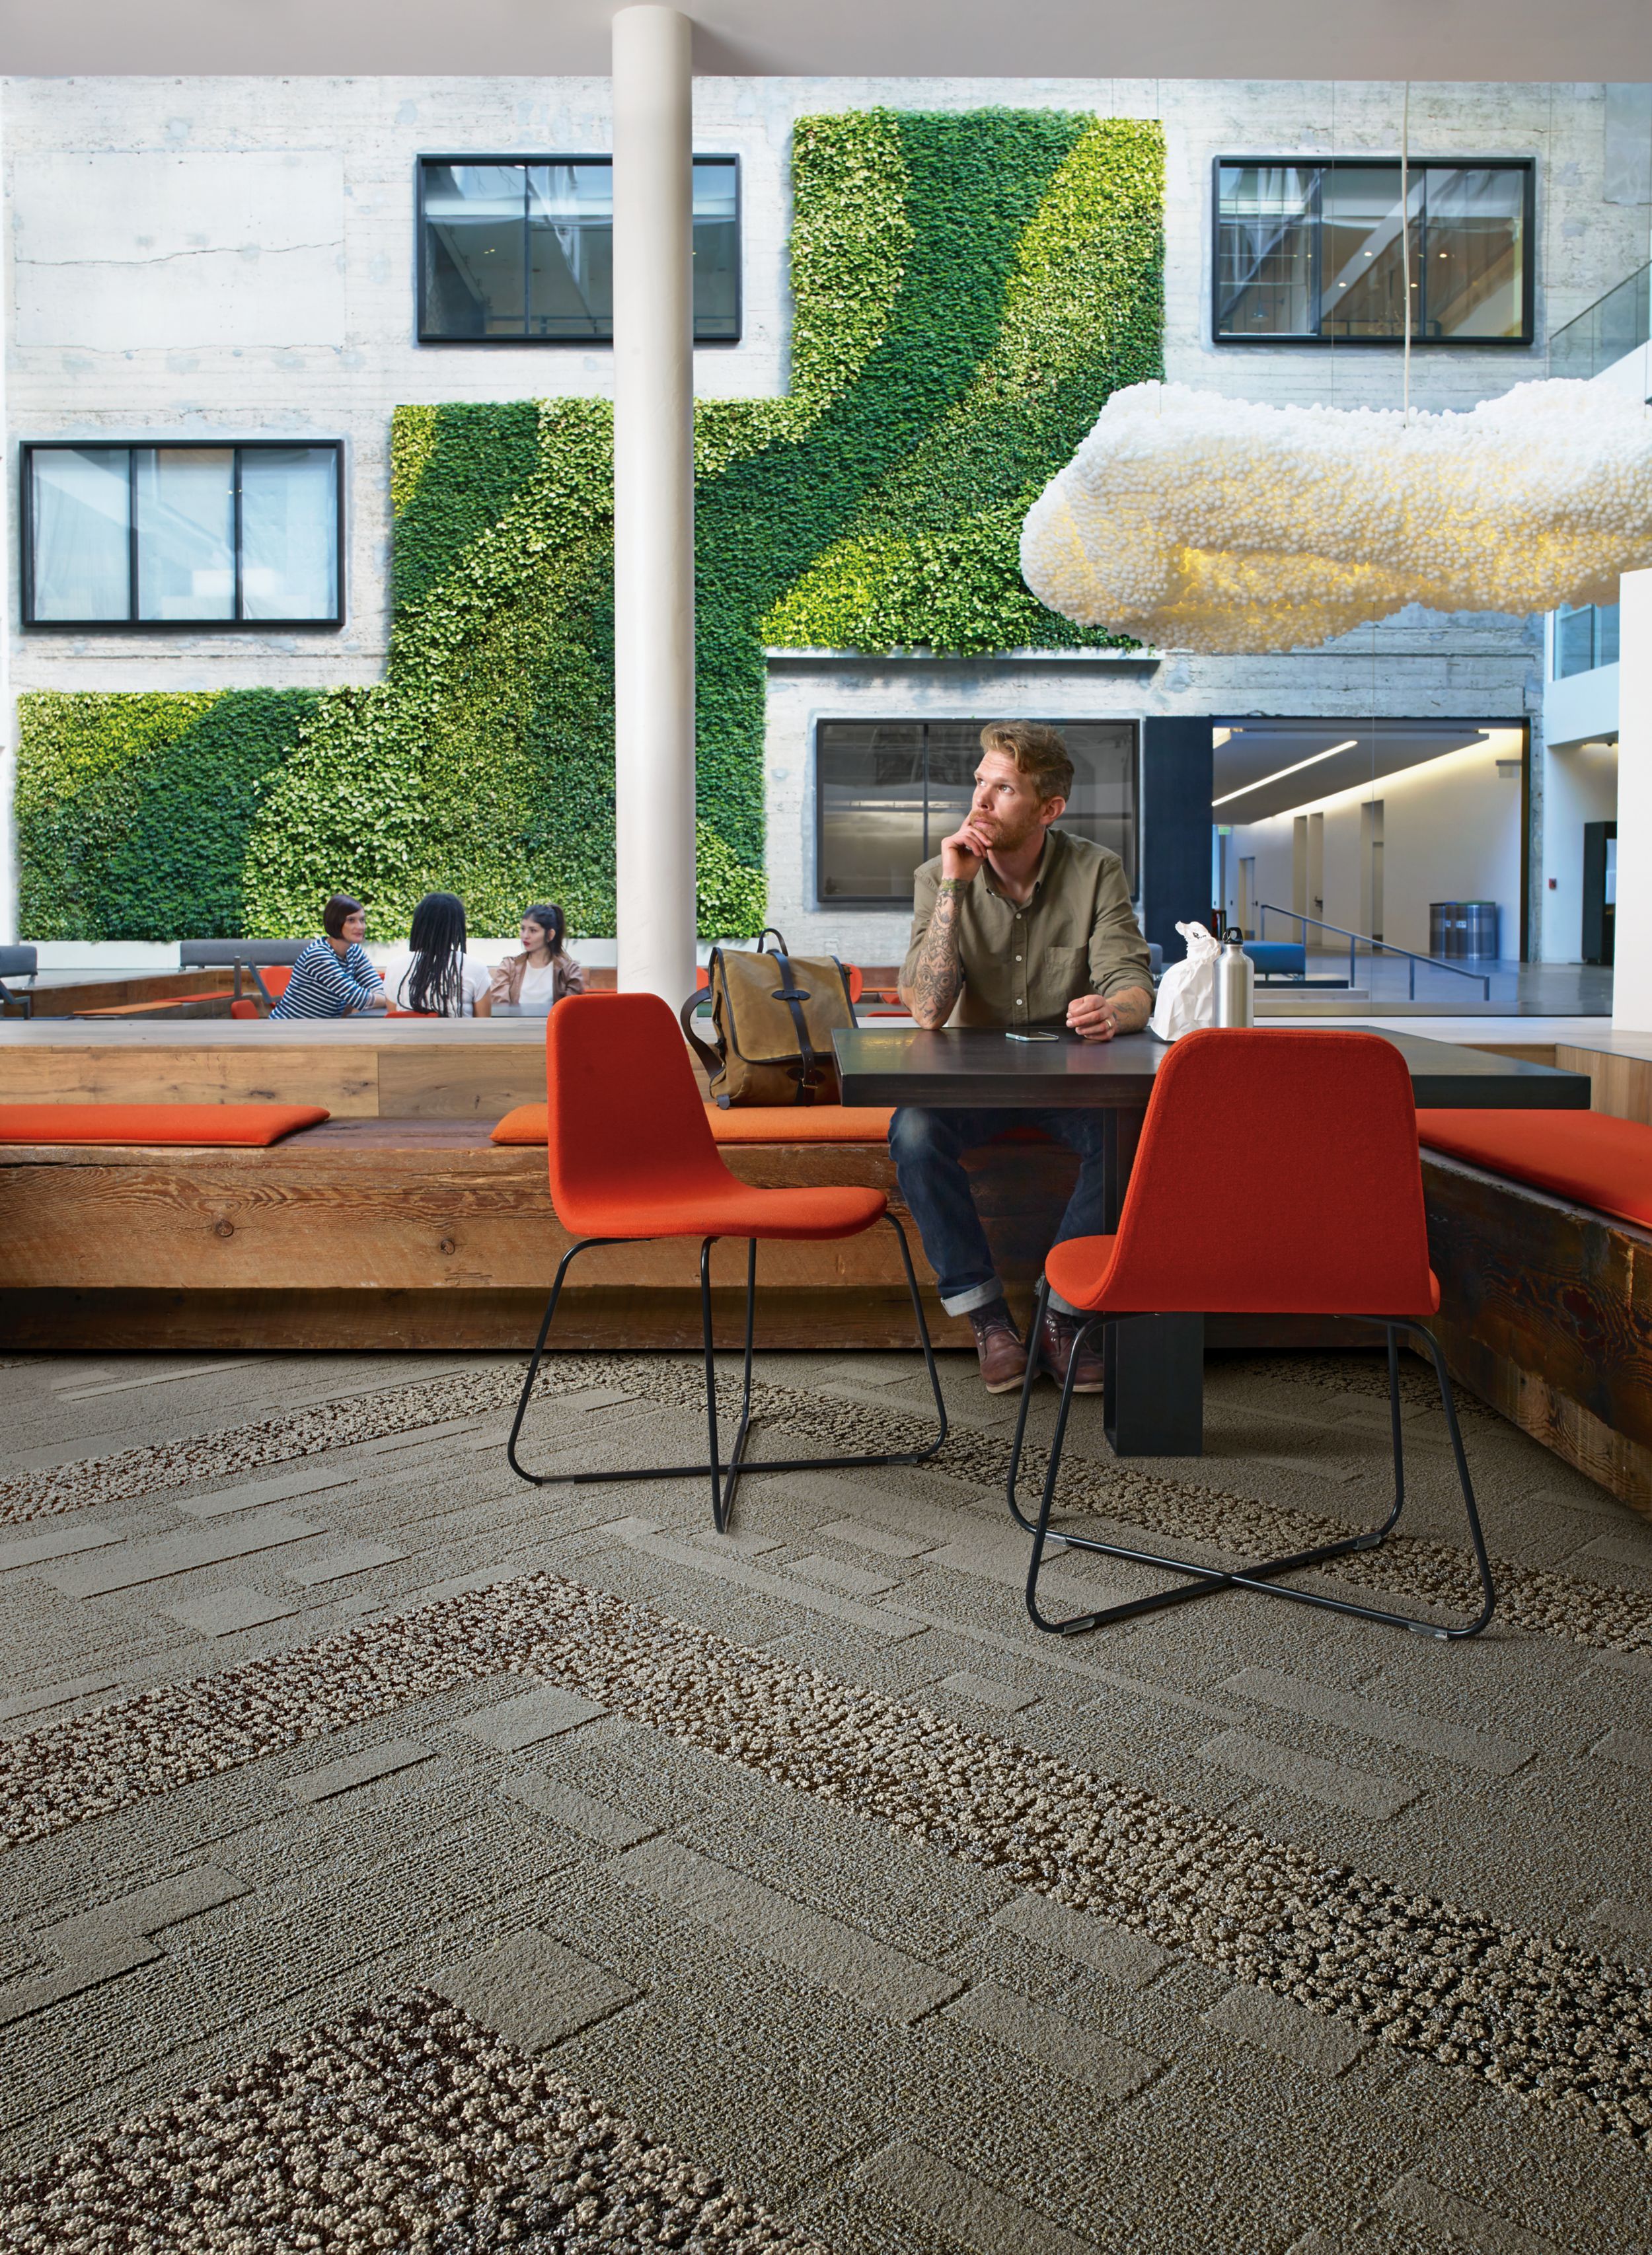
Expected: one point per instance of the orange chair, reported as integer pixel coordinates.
(632, 1160)
(1276, 1174)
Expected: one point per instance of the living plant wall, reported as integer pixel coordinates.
(968, 288)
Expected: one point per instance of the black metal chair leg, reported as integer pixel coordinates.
(1206, 1580)
(1034, 1345)
(737, 1466)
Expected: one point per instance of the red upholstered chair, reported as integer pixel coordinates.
(1278, 1174)
(632, 1159)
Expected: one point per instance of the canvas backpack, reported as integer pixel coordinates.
(773, 1015)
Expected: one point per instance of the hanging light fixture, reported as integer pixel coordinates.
(1208, 523)
(1203, 522)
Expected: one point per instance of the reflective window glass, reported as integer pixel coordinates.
(1606, 634)
(1265, 249)
(1574, 641)
(1315, 252)
(182, 535)
(473, 251)
(290, 532)
(887, 793)
(1474, 272)
(524, 252)
(1362, 257)
(186, 504)
(81, 559)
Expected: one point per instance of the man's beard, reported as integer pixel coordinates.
(1006, 837)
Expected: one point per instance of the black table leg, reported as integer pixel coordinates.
(1154, 1405)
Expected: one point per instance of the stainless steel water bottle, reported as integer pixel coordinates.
(1235, 982)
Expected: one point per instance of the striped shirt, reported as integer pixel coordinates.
(323, 987)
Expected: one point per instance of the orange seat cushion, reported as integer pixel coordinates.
(1588, 1156)
(255, 1124)
(527, 1124)
(750, 1123)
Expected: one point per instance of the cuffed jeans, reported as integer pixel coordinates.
(928, 1148)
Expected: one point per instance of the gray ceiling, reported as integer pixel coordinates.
(1501, 40)
(1263, 747)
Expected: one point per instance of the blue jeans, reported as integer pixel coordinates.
(928, 1148)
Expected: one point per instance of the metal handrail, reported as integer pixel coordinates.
(1357, 940)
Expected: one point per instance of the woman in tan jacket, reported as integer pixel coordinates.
(543, 972)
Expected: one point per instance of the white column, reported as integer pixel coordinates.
(654, 501)
(1632, 978)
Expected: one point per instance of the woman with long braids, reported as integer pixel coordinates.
(435, 977)
(544, 972)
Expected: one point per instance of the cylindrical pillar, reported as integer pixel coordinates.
(654, 502)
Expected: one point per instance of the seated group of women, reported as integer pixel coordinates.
(433, 975)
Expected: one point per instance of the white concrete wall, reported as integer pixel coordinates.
(1632, 979)
(1580, 784)
(212, 256)
(1451, 830)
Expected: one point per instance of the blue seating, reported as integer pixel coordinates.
(1285, 958)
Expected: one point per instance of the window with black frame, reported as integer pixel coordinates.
(520, 250)
(180, 535)
(1585, 638)
(888, 791)
(1312, 252)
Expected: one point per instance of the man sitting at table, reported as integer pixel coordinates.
(1016, 924)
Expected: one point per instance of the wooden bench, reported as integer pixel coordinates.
(1546, 1314)
(384, 1233)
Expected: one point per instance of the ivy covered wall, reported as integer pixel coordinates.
(968, 288)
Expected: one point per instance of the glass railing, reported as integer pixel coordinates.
(1616, 324)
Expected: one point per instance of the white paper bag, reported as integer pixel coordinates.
(1187, 992)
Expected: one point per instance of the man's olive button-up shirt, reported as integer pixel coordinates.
(1023, 964)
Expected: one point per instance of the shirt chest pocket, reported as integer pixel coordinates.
(1067, 969)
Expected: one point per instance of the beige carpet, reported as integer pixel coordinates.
(399, 1855)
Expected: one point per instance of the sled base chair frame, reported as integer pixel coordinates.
(725, 1475)
(1209, 1581)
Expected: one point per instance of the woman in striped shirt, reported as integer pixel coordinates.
(333, 978)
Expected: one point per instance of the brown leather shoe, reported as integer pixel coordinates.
(1003, 1358)
(1055, 1351)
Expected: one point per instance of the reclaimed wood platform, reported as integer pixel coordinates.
(1546, 1313)
(423, 1233)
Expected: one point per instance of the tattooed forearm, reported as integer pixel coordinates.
(938, 979)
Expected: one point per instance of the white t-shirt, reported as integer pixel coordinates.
(473, 978)
(538, 989)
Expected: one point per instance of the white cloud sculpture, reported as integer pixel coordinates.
(1196, 522)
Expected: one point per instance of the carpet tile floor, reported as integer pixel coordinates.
(393, 1855)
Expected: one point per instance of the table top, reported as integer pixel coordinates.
(968, 1066)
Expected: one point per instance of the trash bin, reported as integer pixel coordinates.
(1463, 928)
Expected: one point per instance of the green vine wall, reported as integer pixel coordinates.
(968, 288)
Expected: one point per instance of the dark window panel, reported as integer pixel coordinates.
(1314, 252)
(177, 535)
(516, 252)
(475, 244)
(1265, 249)
(1606, 635)
(888, 791)
(1362, 252)
(1473, 269)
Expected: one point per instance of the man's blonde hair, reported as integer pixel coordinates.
(1037, 749)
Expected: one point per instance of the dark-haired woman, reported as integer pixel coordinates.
(544, 972)
(435, 977)
(332, 977)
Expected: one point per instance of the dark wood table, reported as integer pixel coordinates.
(1154, 1402)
